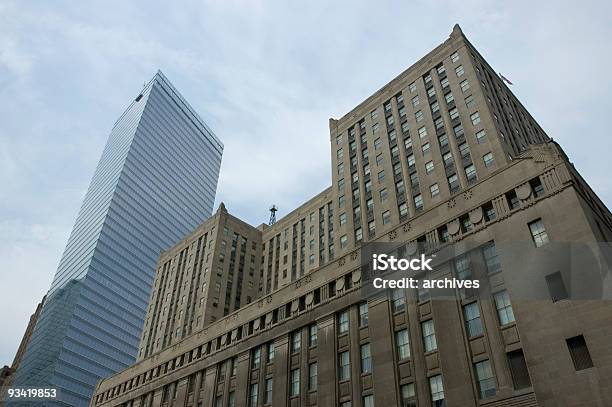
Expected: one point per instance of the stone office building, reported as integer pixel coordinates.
(444, 155)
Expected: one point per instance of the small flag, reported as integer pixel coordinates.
(505, 79)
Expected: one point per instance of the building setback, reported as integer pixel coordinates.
(155, 182)
(444, 156)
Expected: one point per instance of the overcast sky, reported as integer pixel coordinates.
(266, 77)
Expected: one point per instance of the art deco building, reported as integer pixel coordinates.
(444, 156)
(155, 182)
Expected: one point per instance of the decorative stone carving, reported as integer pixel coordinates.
(467, 195)
(269, 299)
(340, 284)
(256, 324)
(407, 227)
(355, 255)
(341, 262)
(451, 203)
(453, 227)
(476, 216)
(523, 191)
(309, 298)
(392, 235)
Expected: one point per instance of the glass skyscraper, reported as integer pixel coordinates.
(155, 182)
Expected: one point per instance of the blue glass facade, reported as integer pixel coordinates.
(155, 182)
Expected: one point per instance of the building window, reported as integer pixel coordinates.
(312, 376)
(408, 395)
(470, 173)
(371, 228)
(343, 322)
(366, 359)
(538, 232)
(418, 202)
(473, 323)
(481, 136)
(358, 235)
(368, 401)
(422, 132)
(437, 390)
(383, 195)
(312, 335)
(536, 187)
(390, 121)
(343, 241)
(296, 341)
(449, 98)
(399, 187)
(465, 85)
(295, 383)
(268, 394)
(340, 153)
(375, 128)
(448, 159)
(475, 118)
(435, 190)
(435, 106)
(256, 358)
(491, 259)
(402, 344)
(429, 167)
(485, 378)
(377, 143)
(489, 212)
(231, 399)
(455, 56)
(270, 356)
(344, 366)
(381, 176)
(415, 101)
(556, 287)
(403, 208)
(363, 315)
(469, 102)
(504, 307)
(339, 139)
(253, 395)
(374, 114)
(488, 159)
(454, 113)
(462, 267)
(341, 201)
(444, 83)
(518, 369)
(379, 159)
(459, 70)
(453, 182)
(408, 143)
(386, 217)
(418, 116)
(342, 218)
(429, 335)
(411, 160)
(398, 300)
(512, 199)
(425, 148)
(412, 87)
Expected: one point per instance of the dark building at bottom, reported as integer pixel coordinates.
(445, 159)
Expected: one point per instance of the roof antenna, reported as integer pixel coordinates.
(273, 210)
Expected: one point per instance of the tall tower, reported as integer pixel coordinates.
(156, 181)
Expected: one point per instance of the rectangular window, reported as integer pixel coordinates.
(453, 182)
(340, 153)
(270, 357)
(470, 173)
(253, 395)
(343, 322)
(429, 335)
(418, 116)
(448, 159)
(363, 314)
(398, 300)
(371, 227)
(462, 267)
(518, 369)
(556, 287)
(343, 241)
(386, 217)
(379, 159)
(425, 148)
(415, 101)
(358, 235)
(312, 376)
(435, 190)
(412, 87)
(403, 208)
(368, 401)
(504, 307)
(449, 98)
(255, 358)
(383, 195)
(579, 352)
(377, 143)
(402, 344)
(437, 390)
(488, 159)
(366, 359)
(339, 139)
(296, 342)
(268, 395)
(459, 70)
(455, 56)
(381, 176)
(411, 160)
(444, 83)
(422, 132)
(538, 232)
(375, 128)
(454, 113)
(469, 102)
(475, 118)
(429, 167)
(408, 395)
(481, 136)
(374, 114)
(342, 219)
(485, 378)
(491, 259)
(473, 323)
(344, 366)
(295, 383)
(418, 202)
(408, 143)
(312, 335)
(512, 199)
(465, 85)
